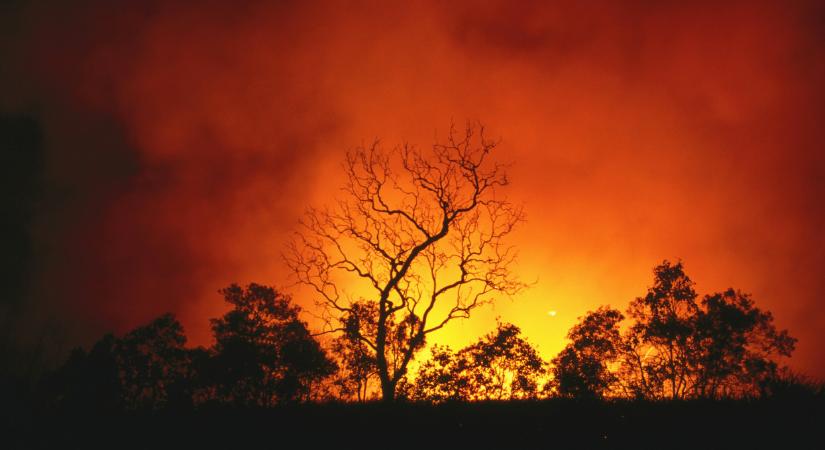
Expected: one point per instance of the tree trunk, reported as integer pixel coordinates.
(387, 391)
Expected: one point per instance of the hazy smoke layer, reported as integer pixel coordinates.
(181, 141)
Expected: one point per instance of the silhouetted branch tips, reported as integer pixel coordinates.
(424, 231)
(501, 366)
(263, 353)
(418, 239)
(581, 369)
(675, 347)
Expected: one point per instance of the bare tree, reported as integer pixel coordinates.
(424, 231)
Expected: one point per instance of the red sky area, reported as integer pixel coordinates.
(185, 140)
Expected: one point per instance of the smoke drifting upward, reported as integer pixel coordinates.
(182, 142)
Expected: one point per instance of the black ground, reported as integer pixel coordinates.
(778, 423)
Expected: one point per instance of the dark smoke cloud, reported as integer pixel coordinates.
(165, 168)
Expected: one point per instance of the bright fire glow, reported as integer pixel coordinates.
(637, 132)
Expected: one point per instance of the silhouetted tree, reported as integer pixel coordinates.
(787, 384)
(678, 348)
(505, 365)
(662, 338)
(424, 231)
(263, 352)
(357, 366)
(362, 322)
(154, 364)
(148, 368)
(87, 381)
(736, 342)
(500, 366)
(674, 347)
(581, 369)
(194, 385)
(441, 378)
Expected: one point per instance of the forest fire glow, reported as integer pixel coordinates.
(184, 143)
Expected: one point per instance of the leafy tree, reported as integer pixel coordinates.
(500, 366)
(736, 342)
(148, 368)
(505, 365)
(678, 348)
(362, 322)
(787, 384)
(582, 369)
(357, 369)
(263, 352)
(443, 377)
(154, 364)
(664, 331)
(86, 381)
(357, 362)
(674, 347)
(424, 231)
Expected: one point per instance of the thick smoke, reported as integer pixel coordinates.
(181, 142)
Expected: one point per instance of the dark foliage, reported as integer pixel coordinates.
(500, 366)
(358, 371)
(675, 346)
(427, 234)
(155, 367)
(264, 354)
(581, 369)
(88, 381)
(148, 368)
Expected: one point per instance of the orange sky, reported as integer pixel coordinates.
(184, 141)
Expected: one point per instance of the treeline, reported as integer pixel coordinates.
(670, 345)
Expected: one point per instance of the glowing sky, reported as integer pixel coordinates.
(184, 141)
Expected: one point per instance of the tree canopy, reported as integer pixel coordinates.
(671, 344)
(581, 369)
(263, 352)
(424, 231)
(674, 346)
(502, 365)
